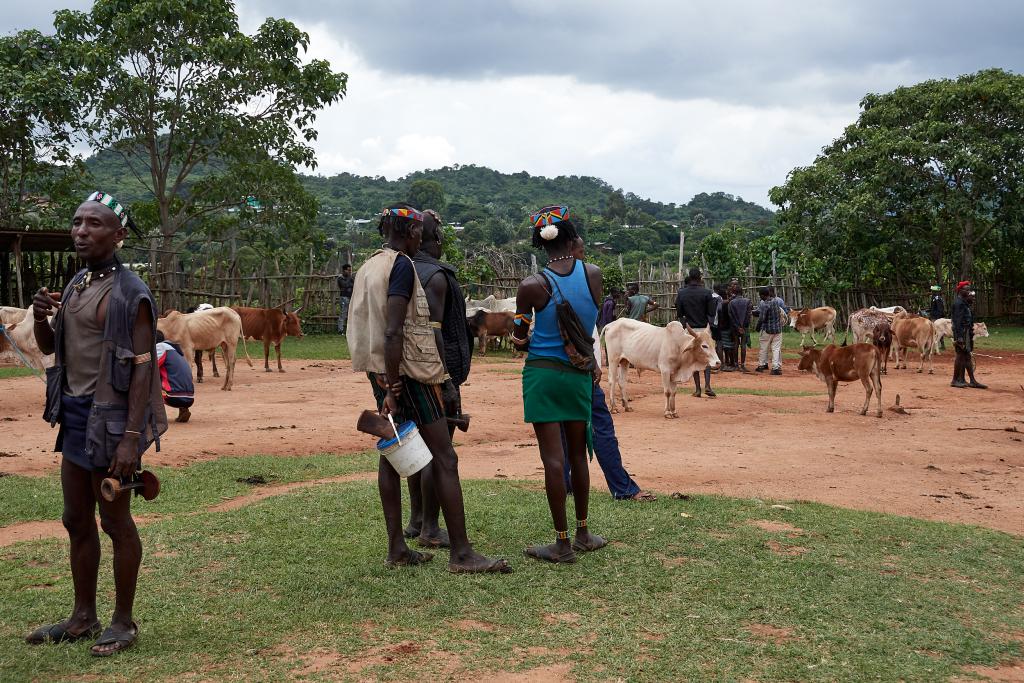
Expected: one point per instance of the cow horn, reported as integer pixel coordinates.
(690, 330)
(299, 308)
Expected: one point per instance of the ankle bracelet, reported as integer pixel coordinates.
(581, 524)
(562, 535)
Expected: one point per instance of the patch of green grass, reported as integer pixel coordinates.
(184, 489)
(743, 391)
(1001, 338)
(6, 373)
(254, 593)
(309, 347)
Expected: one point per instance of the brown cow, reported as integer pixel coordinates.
(271, 325)
(835, 364)
(882, 338)
(810, 320)
(484, 324)
(913, 332)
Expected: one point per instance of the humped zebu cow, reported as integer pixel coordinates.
(835, 364)
(861, 325)
(674, 351)
(21, 335)
(810, 320)
(271, 325)
(10, 315)
(206, 330)
(913, 332)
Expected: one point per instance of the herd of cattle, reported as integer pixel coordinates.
(674, 351)
(205, 329)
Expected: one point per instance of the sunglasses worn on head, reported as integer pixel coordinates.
(412, 214)
(549, 215)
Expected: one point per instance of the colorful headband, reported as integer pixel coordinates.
(112, 204)
(411, 214)
(549, 215)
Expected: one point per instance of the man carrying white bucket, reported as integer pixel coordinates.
(391, 340)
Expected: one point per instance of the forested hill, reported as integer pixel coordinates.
(474, 193)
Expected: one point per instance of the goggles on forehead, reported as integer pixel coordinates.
(549, 215)
(411, 214)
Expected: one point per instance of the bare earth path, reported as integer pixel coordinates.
(783, 447)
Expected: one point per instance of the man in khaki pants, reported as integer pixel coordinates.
(769, 324)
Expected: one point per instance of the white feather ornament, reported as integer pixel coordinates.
(549, 233)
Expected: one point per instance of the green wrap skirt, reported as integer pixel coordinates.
(554, 391)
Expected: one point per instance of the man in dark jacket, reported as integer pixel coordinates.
(963, 338)
(937, 309)
(345, 282)
(696, 307)
(448, 310)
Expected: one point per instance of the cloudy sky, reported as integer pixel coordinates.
(662, 98)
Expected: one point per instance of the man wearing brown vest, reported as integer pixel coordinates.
(391, 339)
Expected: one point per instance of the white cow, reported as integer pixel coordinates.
(490, 304)
(10, 315)
(24, 337)
(944, 328)
(674, 351)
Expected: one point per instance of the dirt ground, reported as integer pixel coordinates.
(934, 463)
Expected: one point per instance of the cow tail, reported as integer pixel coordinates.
(245, 349)
(849, 323)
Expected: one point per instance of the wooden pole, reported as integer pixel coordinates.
(682, 247)
(17, 270)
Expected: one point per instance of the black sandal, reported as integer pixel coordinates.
(112, 636)
(58, 633)
(411, 559)
(548, 553)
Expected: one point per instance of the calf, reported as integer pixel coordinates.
(674, 351)
(881, 337)
(810, 320)
(835, 364)
(271, 325)
(485, 324)
(913, 332)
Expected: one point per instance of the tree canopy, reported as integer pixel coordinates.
(929, 179)
(174, 87)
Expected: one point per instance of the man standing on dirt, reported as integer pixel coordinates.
(448, 318)
(936, 310)
(963, 338)
(105, 394)
(392, 341)
(769, 324)
(638, 305)
(697, 307)
(345, 281)
(739, 319)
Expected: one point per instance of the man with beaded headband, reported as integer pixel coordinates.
(557, 386)
(105, 394)
(391, 339)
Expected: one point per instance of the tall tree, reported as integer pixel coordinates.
(427, 194)
(202, 113)
(926, 169)
(38, 103)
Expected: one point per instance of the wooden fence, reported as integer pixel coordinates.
(993, 300)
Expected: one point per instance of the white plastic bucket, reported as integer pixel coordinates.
(407, 452)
